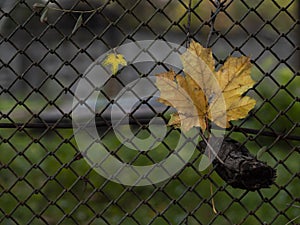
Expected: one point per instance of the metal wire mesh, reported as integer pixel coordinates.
(43, 177)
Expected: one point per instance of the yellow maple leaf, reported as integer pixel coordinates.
(114, 60)
(234, 79)
(181, 93)
(213, 95)
(175, 120)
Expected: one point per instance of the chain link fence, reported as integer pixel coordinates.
(44, 178)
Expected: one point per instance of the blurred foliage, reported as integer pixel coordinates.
(176, 12)
(40, 175)
(161, 14)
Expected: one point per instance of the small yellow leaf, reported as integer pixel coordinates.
(114, 60)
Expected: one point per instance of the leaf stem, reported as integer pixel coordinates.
(212, 199)
(211, 148)
(189, 22)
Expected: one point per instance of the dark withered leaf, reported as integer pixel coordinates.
(240, 169)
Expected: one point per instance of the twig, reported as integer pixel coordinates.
(42, 6)
(212, 29)
(292, 220)
(76, 11)
(296, 206)
(189, 22)
(213, 16)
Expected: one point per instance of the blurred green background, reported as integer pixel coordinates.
(44, 181)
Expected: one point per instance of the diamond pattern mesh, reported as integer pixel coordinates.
(43, 176)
